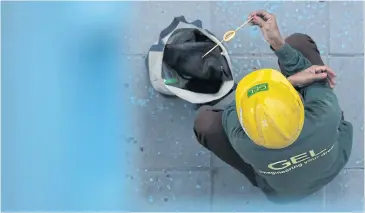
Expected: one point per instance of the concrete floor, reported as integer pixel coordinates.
(83, 130)
(174, 173)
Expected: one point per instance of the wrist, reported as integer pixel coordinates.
(292, 81)
(277, 43)
(295, 83)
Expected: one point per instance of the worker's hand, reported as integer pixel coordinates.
(269, 28)
(312, 74)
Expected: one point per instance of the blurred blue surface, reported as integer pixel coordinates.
(62, 111)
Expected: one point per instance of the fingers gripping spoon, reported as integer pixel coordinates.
(229, 35)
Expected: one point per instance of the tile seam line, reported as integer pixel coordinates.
(211, 172)
(359, 55)
(324, 198)
(183, 169)
(346, 55)
(213, 168)
(354, 168)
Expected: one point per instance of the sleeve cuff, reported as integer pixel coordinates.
(285, 53)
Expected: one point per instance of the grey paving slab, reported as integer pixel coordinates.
(162, 136)
(346, 192)
(350, 92)
(233, 192)
(303, 17)
(243, 65)
(152, 17)
(346, 27)
(168, 191)
(217, 162)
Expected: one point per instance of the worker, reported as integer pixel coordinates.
(285, 130)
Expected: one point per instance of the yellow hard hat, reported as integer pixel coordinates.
(269, 109)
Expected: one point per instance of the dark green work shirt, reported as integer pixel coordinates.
(315, 158)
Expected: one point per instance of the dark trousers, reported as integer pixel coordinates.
(208, 123)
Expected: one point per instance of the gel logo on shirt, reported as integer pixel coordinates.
(297, 161)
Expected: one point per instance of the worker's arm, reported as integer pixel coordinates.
(314, 76)
(291, 60)
(320, 102)
(321, 106)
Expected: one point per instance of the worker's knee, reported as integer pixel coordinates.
(298, 39)
(203, 123)
(202, 119)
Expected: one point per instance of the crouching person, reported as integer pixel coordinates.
(284, 131)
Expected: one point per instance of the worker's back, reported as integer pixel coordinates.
(312, 161)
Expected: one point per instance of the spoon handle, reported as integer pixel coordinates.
(212, 49)
(244, 24)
